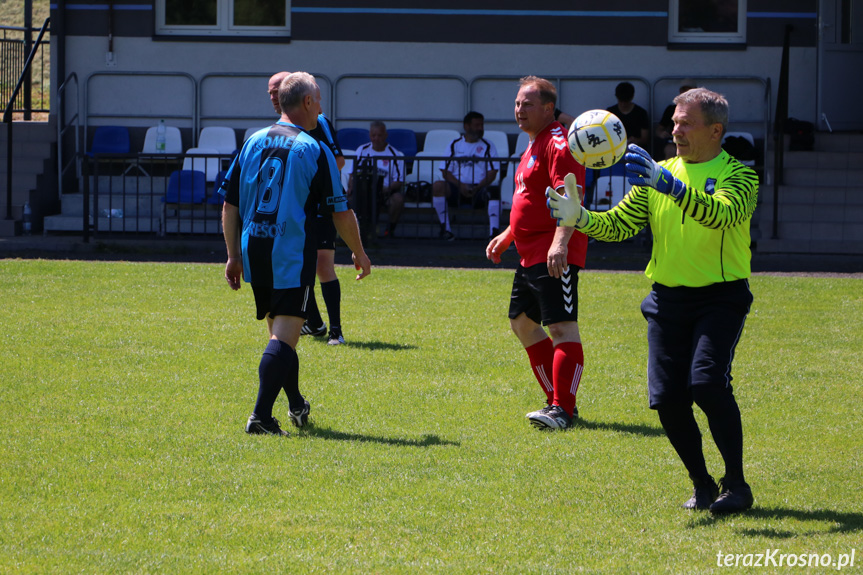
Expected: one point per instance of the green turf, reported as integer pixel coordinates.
(125, 388)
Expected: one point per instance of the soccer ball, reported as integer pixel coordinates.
(597, 139)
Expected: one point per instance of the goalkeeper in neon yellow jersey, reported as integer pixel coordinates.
(698, 205)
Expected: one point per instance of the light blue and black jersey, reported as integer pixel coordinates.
(325, 133)
(280, 180)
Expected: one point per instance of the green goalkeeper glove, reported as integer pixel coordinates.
(567, 209)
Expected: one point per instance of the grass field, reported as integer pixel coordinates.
(125, 388)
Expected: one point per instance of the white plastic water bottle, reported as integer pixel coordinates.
(161, 137)
(27, 219)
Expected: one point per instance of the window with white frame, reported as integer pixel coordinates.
(223, 17)
(707, 21)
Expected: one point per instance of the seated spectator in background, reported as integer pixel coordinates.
(664, 147)
(390, 172)
(563, 118)
(467, 182)
(635, 118)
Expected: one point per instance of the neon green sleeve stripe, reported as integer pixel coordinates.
(733, 203)
(622, 221)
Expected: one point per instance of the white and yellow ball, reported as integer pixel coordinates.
(597, 139)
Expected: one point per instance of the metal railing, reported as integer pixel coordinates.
(16, 45)
(7, 115)
(249, 116)
(64, 124)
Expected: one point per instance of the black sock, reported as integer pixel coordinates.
(291, 380)
(271, 376)
(313, 314)
(680, 426)
(723, 416)
(332, 293)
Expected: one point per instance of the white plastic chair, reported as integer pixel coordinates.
(500, 141)
(426, 170)
(521, 144)
(507, 188)
(173, 140)
(501, 144)
(437, 142)
(210, 166)
(222, 138)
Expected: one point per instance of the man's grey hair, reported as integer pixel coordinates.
(294, 88)
(714, 106)
(377, 124)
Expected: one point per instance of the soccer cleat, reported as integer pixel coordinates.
(445, 234)
(703, 495)
(551, 417)
(733, 498)
(335, 337)
(300, 417)
(307, 329)
(538, 411)
(257, 427)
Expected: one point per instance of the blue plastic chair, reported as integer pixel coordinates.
(352, 138)
(403, 140)
(110, 140)
(217, 199)
(186, 187)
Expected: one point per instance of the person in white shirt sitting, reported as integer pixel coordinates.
(468, 181)
(390, 173)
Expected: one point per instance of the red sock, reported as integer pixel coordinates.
(568, 365)
(541, 357)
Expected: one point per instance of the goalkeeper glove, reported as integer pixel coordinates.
(641, 170)
(567, 209)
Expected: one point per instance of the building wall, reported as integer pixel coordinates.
(458, 40)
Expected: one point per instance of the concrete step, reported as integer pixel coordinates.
(824, 160)
(203, 222)
(838, 142)
(813, 195)
(822, 231)
(64, 223)
(24, 150)
(23, 165)
(809, 246)
(823, 177)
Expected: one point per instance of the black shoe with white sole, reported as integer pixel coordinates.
(254, 426)
(300, 417)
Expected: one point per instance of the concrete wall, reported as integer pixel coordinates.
(245, 98)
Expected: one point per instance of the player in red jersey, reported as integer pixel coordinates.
(545, 287)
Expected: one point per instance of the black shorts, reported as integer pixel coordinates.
(272, 302)
(691, 337)
(480, 197)
(325, 233)
(543, 298)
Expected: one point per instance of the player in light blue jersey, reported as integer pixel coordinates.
(276, 187)
(326, 233)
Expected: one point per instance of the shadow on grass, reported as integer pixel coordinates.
(840, 522)
(426, 441)
(635, 429)
(375, 345)
(379, 345)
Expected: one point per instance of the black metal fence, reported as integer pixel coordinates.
(176, 195)
(15, 46)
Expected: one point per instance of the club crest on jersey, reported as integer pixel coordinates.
(710, 186)
(531, 162)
